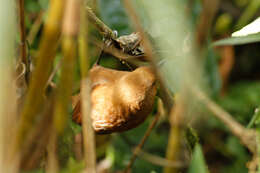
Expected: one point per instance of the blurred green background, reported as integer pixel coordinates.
(237, 91)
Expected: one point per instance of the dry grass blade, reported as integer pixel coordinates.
(38, 138)
(176, 134)
(8, 118)
(45, 55)
(52, 162)
(88, 132)
(69, 42)
(23, 55)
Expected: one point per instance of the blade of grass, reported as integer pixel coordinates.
(8, 117)
(198, 162)
(45, 55)
(69, 42)
(23, 54)
(238, 40)
(88, 132)
(255, 118)
(175, 135)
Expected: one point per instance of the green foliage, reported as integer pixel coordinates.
(241, 100)
(73, 166)
(66, 142)
(238, 40)
(198, 162)
(113, 14)
(124, 143)
(255, 121)
(238, 156)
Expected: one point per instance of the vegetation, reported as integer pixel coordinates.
(129, 86)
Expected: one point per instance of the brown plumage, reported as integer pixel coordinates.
(120, 100)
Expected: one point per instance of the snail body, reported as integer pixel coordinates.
(120, 100)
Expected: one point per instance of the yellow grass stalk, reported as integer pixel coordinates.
(8, 116)
(88, 132)
(45, 55)
(69, 50)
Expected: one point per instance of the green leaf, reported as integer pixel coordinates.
(198, 162)
(253, 38)
(248, 34)
(255, 119)
(241, 100)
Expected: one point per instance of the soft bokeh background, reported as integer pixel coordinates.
(183, 32)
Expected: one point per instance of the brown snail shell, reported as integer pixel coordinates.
(120, 100)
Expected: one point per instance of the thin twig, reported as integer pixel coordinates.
(55, 70)
(23, 54)
(160, 161)
(141, 144)
(247, 136)
(35, 27)
(118, 53)
(102, 27)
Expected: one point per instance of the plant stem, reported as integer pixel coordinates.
(35, 27)
(45, 55)
(141, 144)
(160, 161)
(103, 28)
(88, 132)
(255, 117)
(69, 49)
(8, 92)
(175, 138)
(247, 136)
(23, 55)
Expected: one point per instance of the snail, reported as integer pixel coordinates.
(121, 100)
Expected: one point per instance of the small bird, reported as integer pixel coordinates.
(121, 100)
